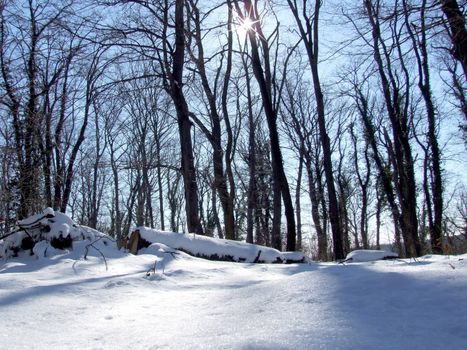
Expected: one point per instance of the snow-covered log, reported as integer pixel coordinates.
(369, 255)
(211, 248)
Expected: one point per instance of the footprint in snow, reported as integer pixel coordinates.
(113, 284)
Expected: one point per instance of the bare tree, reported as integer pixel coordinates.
(301, 126)
(307, 20)
(159, 37)
(113, 133)
(24, 56)
(363, 182)
(175, 87)
(96, 69)
(418, 35)
(214, 134)
(397, 102)
(366, 113)
(263, 73)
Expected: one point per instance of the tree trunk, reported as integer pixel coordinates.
(458, 33)
(298, 194)
(310, 40)
(378, 218)
(280, 184)
(214, 135)
(252, 209)
(382, 168)
(399, 149)
(419, 45)
(160, 185)
(184, 124)
(315, 203)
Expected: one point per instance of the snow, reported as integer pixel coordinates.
(39, 217)
(361, 255)
(165, 299)
(94, 296)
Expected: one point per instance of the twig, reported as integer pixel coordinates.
(92, 245)
(343, 262)
(172, 254)
(153, 269)
(257, 257)
(8, 234)
(26, 231)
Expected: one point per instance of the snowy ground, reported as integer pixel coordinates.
(65, 302)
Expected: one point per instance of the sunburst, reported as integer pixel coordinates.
(244, 25)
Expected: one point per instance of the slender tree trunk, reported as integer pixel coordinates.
(252, 189)
(229, 149)
(298, 195)
(118, 217)
(184, 124)
(309, 34)
(378, 219)
(363, 182)
(381, 166)
(59, 166)
(172, 189)
(160, 186)
(74, 153)
(28, 182)
(92, 220)
(458, 33)
(280, 183)
(419, 44)
(47, 150)
(214, 135)
(399, 148)
(315, 203)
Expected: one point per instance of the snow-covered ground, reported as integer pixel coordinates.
(65, 302)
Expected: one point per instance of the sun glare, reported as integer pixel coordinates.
(244, 25)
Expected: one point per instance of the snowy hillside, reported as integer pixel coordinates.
(165, 299)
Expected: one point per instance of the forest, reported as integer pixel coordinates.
(317, 126)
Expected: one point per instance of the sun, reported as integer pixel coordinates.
(244, 26)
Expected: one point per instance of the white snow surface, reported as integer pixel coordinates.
(366, 255)
(207, 246)
(165, 299)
